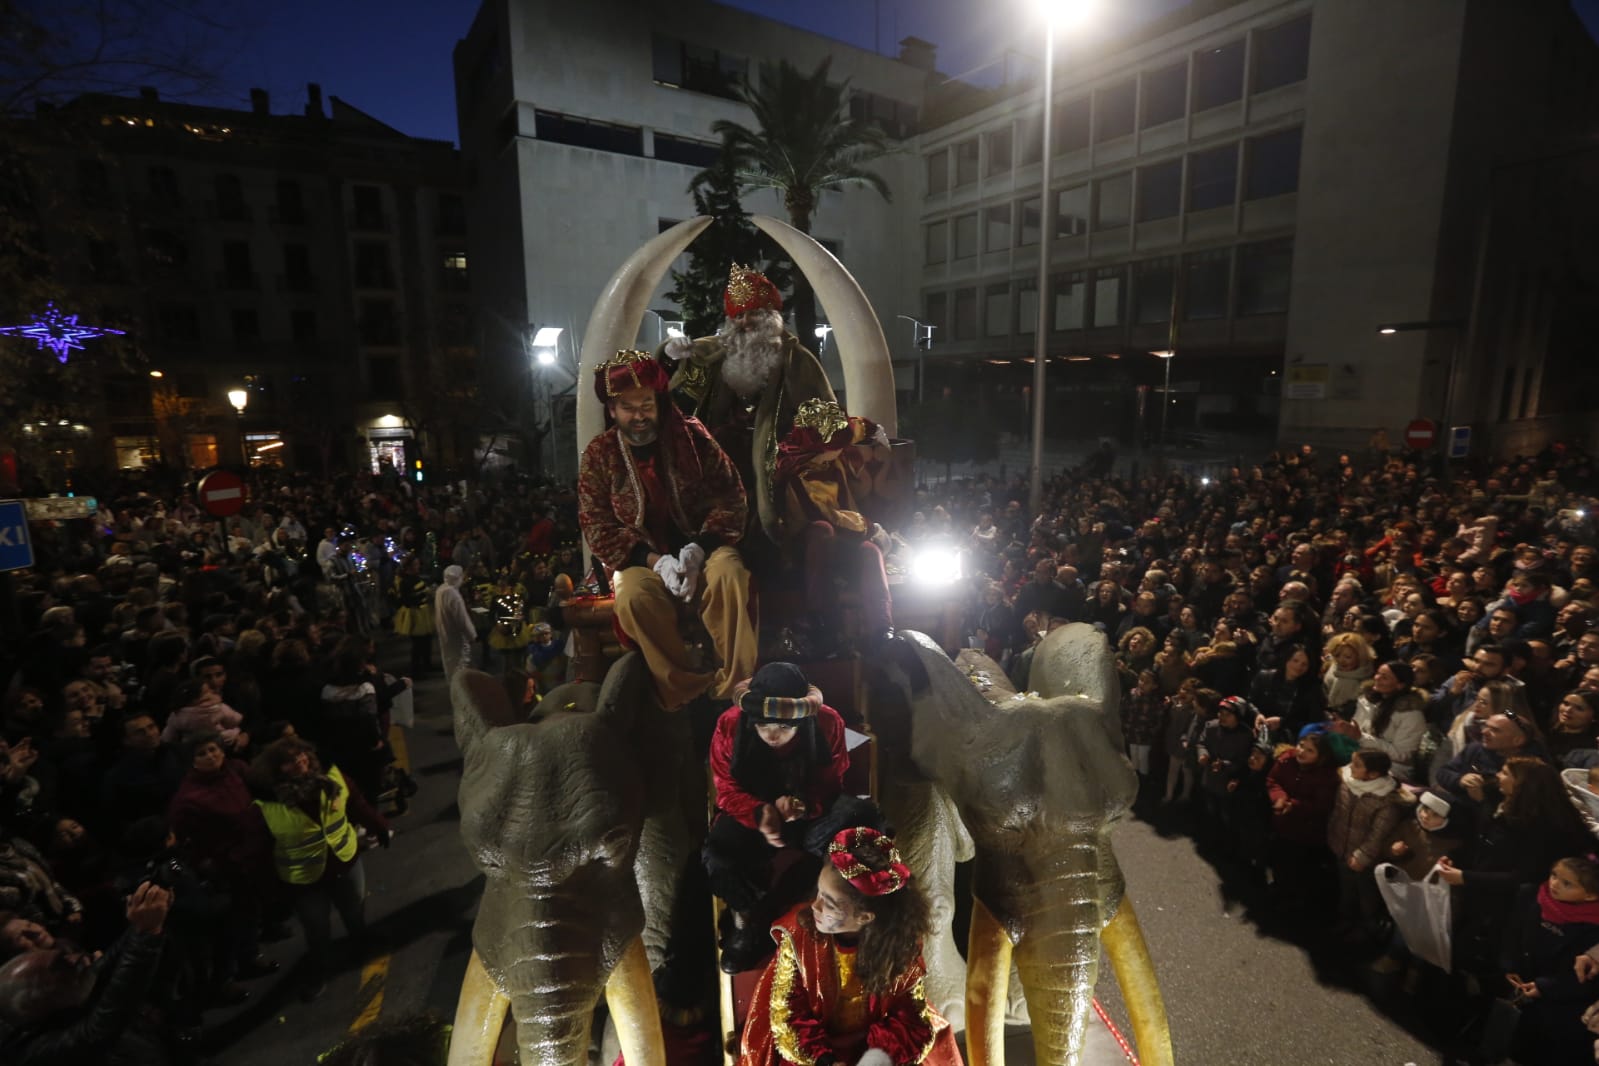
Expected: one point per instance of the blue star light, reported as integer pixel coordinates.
(58, 331)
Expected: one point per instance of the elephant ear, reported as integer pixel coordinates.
(479, 703)
(627, 691)
(1076, 660)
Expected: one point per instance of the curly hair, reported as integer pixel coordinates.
(892, 940)
(1340, 641)
(1127, 637)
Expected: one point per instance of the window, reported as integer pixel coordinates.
(1109, 285)
(297, 268)
(105, 262)
(586, 133)
(368, 201)
(178, 323)
(1114, 201)
(246, 325)
(290, 205)
(164, 187)
(1113, 111)
(1165, 96)
(237, 273)
(965, 236)
(1218, 75)
(1272, 167)
(1282, 55)
(452, 213)
(377, 325)
(1071, 211)
(1027, 232)
(996, 311)
(1152, 280)
(1160, 190)
(302, 325)
(94, 183)
(1263, 277)
(966, 162)
(999, 146)
(893, 117)
(1070, 292)
(455, 276)
(937, 243)
(691, 153)
(704, 70)
(996, 228)
(1071, 126)
(230, 198)
(372, 265)
(965, 314)
(937, 312)
(165, 251)
(1212, 178)
(1027, 307)
(937, 171)
(1205, 284)
(1030, 135)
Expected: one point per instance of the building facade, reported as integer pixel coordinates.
(1256, 185)
(316, 261)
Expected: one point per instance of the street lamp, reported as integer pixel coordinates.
(1389, 329)
(1165, 394)
(545, 339)
(240, 398)
(1056, 13)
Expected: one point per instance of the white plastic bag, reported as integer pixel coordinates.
(402, 709)
(1420, 910)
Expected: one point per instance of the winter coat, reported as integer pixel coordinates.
(1142, 717)
(1361, 824)
(1228, 750)
(109, 1030)
(215, 819)
(1401, 738)
(1423, 849)
(1179, 720)
(1313, 789)
(1342, 687)
(214, 717)
(1297, 703)
(27, 887)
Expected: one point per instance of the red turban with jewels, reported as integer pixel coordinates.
(628, 369)
(845, 853)
(748, 289)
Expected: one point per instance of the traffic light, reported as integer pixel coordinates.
(418, 471)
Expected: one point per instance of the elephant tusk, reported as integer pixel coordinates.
(479, 1017)
(1124, 944)
(630, 994)
(868, 367)
(988, 955)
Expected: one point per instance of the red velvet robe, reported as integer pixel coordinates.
(825, 784)
(808, 1005)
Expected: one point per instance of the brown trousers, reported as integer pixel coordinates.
(648, 614)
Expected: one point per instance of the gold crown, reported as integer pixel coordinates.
(826, 417)
(627, 359)
(740, 285)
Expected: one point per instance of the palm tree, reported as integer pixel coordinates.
(804, 142)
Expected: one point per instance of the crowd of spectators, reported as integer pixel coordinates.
(1330, 663)
(194, 736)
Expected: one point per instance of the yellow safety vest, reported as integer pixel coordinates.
(300, 846)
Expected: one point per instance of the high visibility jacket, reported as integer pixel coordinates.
(300, 846)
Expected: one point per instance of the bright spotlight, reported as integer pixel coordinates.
(936, 566)
(547, 336)
(545, 356)
(1204, 481)
(1580, 513)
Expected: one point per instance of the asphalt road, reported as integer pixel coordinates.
(1236, 993)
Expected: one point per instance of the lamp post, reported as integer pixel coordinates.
(1165, 395)
(1056, 13)
(1445, 431)
(240, 398)
(545, 348)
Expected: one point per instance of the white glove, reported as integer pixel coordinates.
(875, 1056)
(880, 436)
(669, 570)
(678, 348)
(691, 558)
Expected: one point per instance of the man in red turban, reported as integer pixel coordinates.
(746, 383)
(661, 505)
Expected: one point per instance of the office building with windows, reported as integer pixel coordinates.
(1257, 185)
(315, 260)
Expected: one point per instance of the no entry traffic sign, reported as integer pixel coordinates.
(222, 493)
(1421, 434)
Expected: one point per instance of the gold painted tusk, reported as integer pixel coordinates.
(1124, 944)
(988, 953)
(630, 994)
(479, 1017)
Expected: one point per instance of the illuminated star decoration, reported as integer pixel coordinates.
(58, 331)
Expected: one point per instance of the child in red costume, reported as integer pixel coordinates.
(845, 988)
(778, 759)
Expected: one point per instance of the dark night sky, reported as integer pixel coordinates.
(391, 58)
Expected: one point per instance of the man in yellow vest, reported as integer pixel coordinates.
(316, 849)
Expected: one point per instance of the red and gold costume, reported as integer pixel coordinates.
(810, 1004)
(819, 787)
(633, 501)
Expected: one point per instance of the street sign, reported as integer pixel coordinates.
(1421, 434)
(16, 550)
(60, 508)
(1459, 442)
(1306, 382)
(222, 493)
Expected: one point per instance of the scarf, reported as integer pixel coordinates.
(1379, 786)
(1555, 912)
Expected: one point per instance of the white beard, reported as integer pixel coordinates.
(751, 357)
